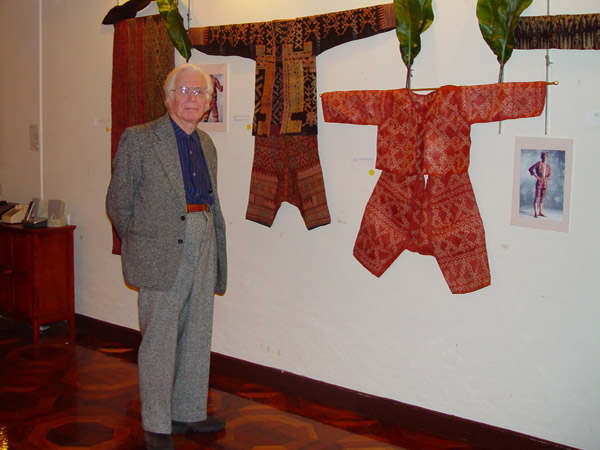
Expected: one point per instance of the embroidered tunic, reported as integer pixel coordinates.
(286, 161)
(429, 135)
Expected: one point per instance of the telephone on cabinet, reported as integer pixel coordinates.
(16, 214)
(5, 207)
(37, 214)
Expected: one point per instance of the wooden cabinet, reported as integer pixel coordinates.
(36, 275)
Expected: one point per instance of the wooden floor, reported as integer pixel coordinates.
(84, 395)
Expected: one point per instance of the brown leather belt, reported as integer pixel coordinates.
(198, 208)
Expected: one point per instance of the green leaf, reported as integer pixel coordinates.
(413, 17)
(497, 22)
(169, 9)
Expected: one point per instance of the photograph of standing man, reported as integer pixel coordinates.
(163, 202)
(541, 171)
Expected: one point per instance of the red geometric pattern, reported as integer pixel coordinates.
(287, 168)
(429, 135)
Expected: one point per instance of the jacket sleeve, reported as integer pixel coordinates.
(533, 169)
(228, 40)
(324, 30)
(126, 175)
(502, 101)
(355, 107)
(344, 26)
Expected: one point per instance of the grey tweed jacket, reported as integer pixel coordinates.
(146, 204)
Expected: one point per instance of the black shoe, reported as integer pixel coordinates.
(210, 425)
(158, 441)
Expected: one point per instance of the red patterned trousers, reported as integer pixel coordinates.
(287, 168)
(437, 216)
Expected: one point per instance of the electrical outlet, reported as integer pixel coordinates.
(34, 137)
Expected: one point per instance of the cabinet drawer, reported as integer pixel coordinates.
(21, 257)
(5, 252)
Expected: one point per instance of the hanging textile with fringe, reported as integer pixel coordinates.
(143, 55)
(567, 32)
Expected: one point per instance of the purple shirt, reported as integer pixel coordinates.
(196, 178)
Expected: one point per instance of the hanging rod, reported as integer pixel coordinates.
(553, 83)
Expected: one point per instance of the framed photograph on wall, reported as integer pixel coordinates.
(215, 119)
(542, 183)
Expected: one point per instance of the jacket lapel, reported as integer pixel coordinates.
(166, 149)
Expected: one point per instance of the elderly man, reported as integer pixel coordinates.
(163, 202)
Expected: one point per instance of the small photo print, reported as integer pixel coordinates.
(542, 183)
(215, 119)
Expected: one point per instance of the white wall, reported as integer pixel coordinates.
(19, 94)
(522, 354)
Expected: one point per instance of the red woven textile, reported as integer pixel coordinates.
(285, 111)
(287, 168)
(423, 136)
(143, 55)
(565, 32)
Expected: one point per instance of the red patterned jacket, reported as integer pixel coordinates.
(430, 134)
(424, 201)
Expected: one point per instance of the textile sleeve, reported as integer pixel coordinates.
(355, 107)
(332, 29)
(325, 30)
(126, 176)
(502, 101)
(229, 40)
(532, 169)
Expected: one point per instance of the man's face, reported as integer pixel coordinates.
(187, 109)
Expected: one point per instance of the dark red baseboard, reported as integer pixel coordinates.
(107, 331)
(407, 416)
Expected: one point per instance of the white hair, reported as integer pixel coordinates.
(169, 84)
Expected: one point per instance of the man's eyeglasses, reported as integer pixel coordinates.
(186, 91)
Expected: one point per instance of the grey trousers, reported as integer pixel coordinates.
(176, 326)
